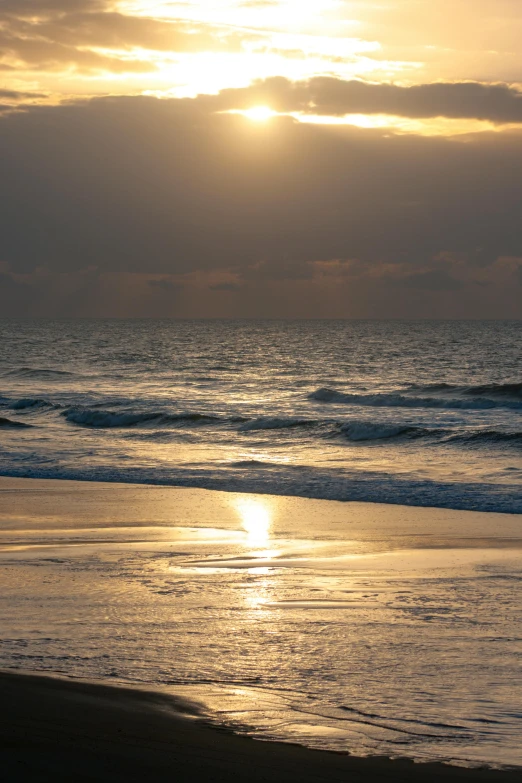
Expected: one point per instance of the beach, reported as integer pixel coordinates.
(58, 730)
(349, 628)
(260, 391)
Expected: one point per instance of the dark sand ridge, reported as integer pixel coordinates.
(62, 730)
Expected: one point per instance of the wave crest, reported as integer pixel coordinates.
(368, 430)
(398, 400)
(487, 436)
(103, 419)
(30, 402)
(10, 424)
(275, 423)
(482, 390)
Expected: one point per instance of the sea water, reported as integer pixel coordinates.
(419, 413)
(374, 629)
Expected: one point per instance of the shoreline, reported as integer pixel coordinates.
(55, 729)
(224, 487)
(42, 515)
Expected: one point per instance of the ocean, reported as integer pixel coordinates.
(425, 413)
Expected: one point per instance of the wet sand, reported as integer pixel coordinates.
(55, 729)
(62, 730)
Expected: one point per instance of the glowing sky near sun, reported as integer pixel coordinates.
(61, 49)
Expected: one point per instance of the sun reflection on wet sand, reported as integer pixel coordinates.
(255, 518)
(260, 592)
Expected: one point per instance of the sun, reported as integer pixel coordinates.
(259, 113)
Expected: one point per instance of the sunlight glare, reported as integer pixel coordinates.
(259, 113)
(256, 519)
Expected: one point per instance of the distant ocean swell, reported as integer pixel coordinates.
(446, 394)
(38, 373)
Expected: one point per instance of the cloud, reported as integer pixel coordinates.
(498, 103)
(36, 53)
(56, 35)
(404, 37)
(16, 95)
(29, 9)
(122, 31)
(306, 219)
(450, 24)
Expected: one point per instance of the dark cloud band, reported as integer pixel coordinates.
(498, 103)
(166, 186)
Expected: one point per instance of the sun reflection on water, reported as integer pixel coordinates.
(256, 520)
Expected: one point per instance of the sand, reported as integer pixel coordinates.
(55, 729)
(59, 730)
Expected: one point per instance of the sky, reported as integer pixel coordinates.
(261, 158)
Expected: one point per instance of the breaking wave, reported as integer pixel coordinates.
(292, 480)
(89, 417)
(482, 390)
(275, 423)
(9, 423)
(367, 430)
(402, 400)
(156, 424)
(30, 403)
(487, 437)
